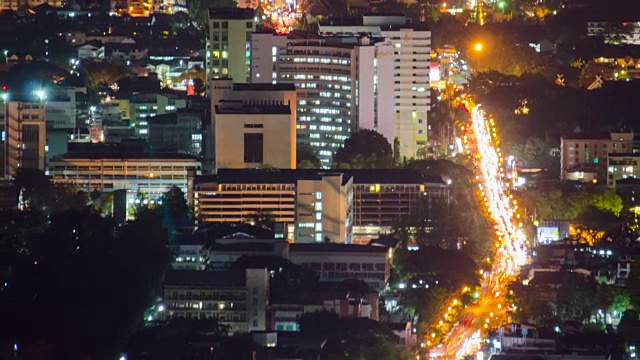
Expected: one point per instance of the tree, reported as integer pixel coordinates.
(104, 73)
(98, 268)
(306, 158)
(198, 9)
(365, 149)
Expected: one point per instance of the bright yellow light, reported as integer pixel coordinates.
(478, 47)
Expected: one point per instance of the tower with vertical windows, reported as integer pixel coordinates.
(229, 44)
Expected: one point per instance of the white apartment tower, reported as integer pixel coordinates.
(411, 54)
(228, 43)
(337, 82)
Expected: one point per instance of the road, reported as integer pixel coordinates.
(490, 310)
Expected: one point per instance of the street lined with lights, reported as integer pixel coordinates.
(482, 145)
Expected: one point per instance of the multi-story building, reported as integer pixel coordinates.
(382, 197)
(107, 168)
(411, 56)
(23, 136)
(583, 156)
(61, 109)
(265, 51)
(379, 199)
(249, 96)
(319, 205)
(337, 84)
(144, 107)
(610, 30)
(180, 131)
(229, 43)
(622, 166)
(237, 299)
(254, 136)
(337, 262)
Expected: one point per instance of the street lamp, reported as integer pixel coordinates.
(478, 47)
(6, 56)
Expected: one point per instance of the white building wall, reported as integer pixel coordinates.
(265, 48)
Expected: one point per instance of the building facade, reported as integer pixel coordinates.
(248, 97)
(609, 30)
(144, 107)
(411, 56)
(237, 299)
(180, 131)
(149, 175)
(318, 204)
(622, 166)
(23, 136)
(583, 156)
(337, 262)
(254, 136)
(229, 43)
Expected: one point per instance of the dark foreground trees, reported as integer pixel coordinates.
(77, 285)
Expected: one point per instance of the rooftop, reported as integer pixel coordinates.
(263, 87)
(237, 107)
(283, 176)
(231, 13)
(118, 151)
(338, 248)
(204, 278)
(603, 135)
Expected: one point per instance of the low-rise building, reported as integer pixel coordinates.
(583, 156)
(622, 166)
(108, 168)
(144, 107)
(238, 299)
(296, 197)
(337, 262)
(180, 131)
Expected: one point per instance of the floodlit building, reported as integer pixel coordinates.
(108, 169)
(309, 200)
(583, 156)
(411, 54)
(23, 136)
(229, 43)
(265, 50)
(318, 205)
(253, 136)
(237, 299)
(258, 118)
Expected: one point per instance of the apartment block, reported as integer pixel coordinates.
(337, 83)
(411, 56)
(622, 166)
(583, 156)
(237, 299)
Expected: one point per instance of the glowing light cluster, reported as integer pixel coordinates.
(482, 144)
(281, 13)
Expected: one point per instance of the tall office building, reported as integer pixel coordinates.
(337, 84)
(23, 136)
(411, 55)
(229, 43)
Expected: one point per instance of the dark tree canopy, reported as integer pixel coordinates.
(306, 158)
(365, 149)
(80, 286)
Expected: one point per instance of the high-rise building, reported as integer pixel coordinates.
(265, 50)
(255, 105)
(337, 82)
(179, 131)
(229, 43)
(23, 136)
(411, 54)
